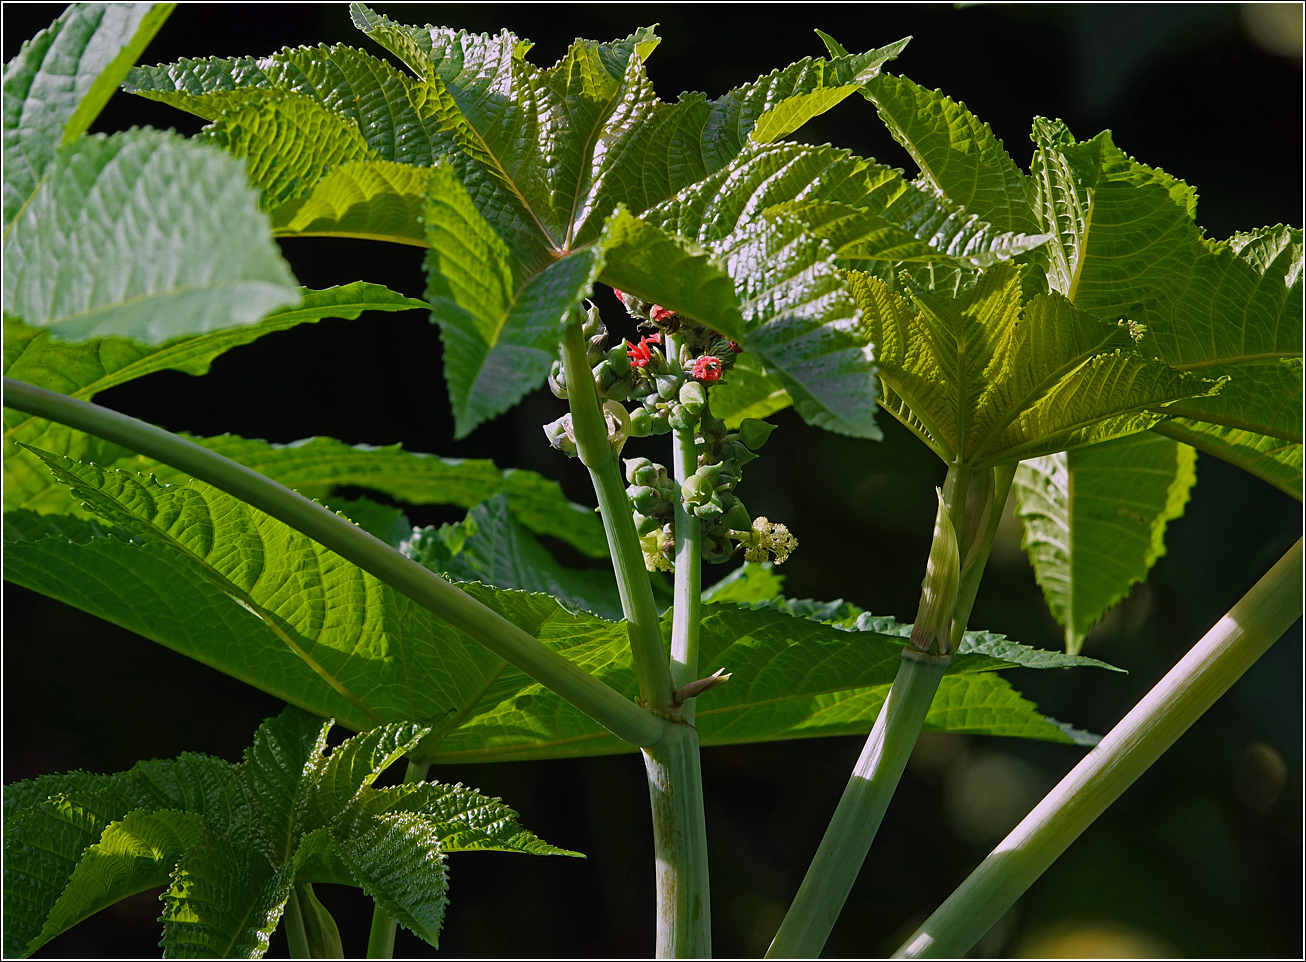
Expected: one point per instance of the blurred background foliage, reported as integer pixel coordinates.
(1201, 858)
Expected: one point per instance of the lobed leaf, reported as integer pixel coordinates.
(990, 376)
(1128, 245)
(1095, 521)
(60, 81)
(356, 650)
(146, 236)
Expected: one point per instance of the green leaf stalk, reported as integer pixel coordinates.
(1204, 674)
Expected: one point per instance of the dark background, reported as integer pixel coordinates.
(1202, 857)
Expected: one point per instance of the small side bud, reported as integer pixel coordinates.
(561, 435)
(695, 688)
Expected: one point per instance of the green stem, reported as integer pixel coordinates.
(1226, 651)
(381, 937)
(296, 936)
(675, 789)
(965, 523)
(589, 426)
(842, 851)
(587, 693)
(672, 766)
(688, 587)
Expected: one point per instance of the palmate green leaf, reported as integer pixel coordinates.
(60, 81)
(231, 840)
(495, 550)
(83, 369)
(1128, 245)
(790, 678)
(360, 652)
(1091, 540)
(142, 235)
(990, 377)
(592, 114)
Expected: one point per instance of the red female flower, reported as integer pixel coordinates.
(640, 354)
(660, 314)
(707, 368)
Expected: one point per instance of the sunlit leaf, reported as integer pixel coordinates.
(60, 81)
(143, 235)
(1093, 538)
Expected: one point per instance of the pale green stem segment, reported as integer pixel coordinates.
(1204, 674)
(842, 851)
(969, 508)
(310, 930)
(381, 937)
(675, 782)
(688, 588)
(609, 708)
(590, 428)
(675, 787)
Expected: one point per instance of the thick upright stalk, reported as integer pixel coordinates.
(1226, 651)
(675, 789)
(672, 766)
(606, 706)
(688, 586)
(969, 507)
(591, 432)
(842, 851)
(381, 937)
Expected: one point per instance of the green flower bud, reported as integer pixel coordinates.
(641, 471)
(660, 423)
(619, 358)
(558, 381)
(560, 435)
(644, 498)
(693, 396)
(710, 472)
(641, 423)
(717, 549)
(668, 386)
(696, 490)
(646, 525)
(681, 417)
(737, 517)
(754, 432)
(711, 509)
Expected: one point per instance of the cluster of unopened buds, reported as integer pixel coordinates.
(675, 397)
